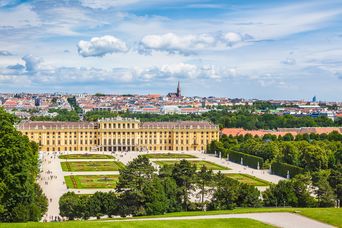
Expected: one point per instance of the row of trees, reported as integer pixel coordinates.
(225, 118)
(21, 199)
(300, 191)
(141, 191)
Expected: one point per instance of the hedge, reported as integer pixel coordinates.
(249, 160)
(280, 169)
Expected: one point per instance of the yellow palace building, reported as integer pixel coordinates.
(120, 134)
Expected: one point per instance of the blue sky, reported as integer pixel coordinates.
(250, 49)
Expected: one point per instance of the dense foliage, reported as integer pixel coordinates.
(73, 103)
(143, 191)
(312, 153)
(21, 199)
(63, 115)
(226, 118)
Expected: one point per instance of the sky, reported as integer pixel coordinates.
(243, 48)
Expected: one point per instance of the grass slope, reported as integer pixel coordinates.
(332, 216)
(247, 179)
(86, 156)
(199, 164)
(91, 166)
(91, 181)
(212, 223)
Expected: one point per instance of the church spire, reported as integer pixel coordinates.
(179, 90)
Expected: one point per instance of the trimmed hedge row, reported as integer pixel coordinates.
(249, 160)
(281, 169)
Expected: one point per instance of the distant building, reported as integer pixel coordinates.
(314, 99)
(178, 93)
(37, 102)
(120, 134)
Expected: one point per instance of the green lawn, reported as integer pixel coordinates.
(86, 156)
(168, 155)
(213, 223)
(91, 181)
(327, 215)
(91, 166)
(247, 179)
(198, 163)
(332, 216)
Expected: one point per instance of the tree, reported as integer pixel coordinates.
(20, 198)
(291, 154)
(335, 181)
(156, 202)
(204, 181)
(323, 190)
(69, 206)
(314, 158)
(132, 181)
(293, 192)
(184, 175)
(226, 194)
(249, 196)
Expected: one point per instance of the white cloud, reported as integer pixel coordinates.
(100, 46)
(289, 61)
(19, 17)
(32, 64)
(5, 53)
(184, 71)
(189, 44)
(104, 4)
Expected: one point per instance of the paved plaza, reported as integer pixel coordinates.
(52, 177)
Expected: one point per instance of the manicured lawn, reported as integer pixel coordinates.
(91, 181)
(247, 179)
(202, 223)
(86, 156)
(199, 164)
(91, 166)
(168, 155)
(330, 216)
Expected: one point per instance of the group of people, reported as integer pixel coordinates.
(46, 178)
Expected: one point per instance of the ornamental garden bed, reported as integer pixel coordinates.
(199, 164)
(247, 179)
(91, 181)
(91, 166)
(168, 155)
(86, 156)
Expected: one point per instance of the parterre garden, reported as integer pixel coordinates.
(198, 163)
(85, 156)
(91, 181)
(168, 155)
(247, 179)
(91, 166)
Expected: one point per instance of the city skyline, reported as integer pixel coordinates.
(265, 50)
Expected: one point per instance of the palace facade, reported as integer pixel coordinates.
(120, 134)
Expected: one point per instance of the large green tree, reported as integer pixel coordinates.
(184, 175)
(20, 198)
(133, 180)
